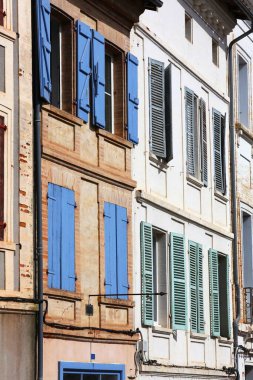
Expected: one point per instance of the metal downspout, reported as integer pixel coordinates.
(38, 190)
(233, 190)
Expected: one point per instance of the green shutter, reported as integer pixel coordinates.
(178, 282)
(228, 298)
(190, 138)
(214, 292)
(147, 273)
(201, 317)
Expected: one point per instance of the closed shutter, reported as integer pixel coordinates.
(147, 274)
(190, 138)
(2, 13)
(156, 105)
(214, 292)
(132, 98)
(98, 79)
(122, 270)
(193, 252)
(201, 318)
(223, 151)
(2, 132)
(54, 236)
(83, 70)
(218, 159)
(68, 240)
(168, 114)
(178, 282)
(203, 129)
(44, 44)
(110, 249)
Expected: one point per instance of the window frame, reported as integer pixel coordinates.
(91, 368)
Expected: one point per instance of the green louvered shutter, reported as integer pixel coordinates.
(190, 138)
(147, 273)
(225, 328)
(178, 282)
(218, 159)
(193, 250)
(201, 318)
(203, 131)
(214, 292)
(156, 104)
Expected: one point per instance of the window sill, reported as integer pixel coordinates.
(220, 196)
(7, 246)
(111, 137)
(62, 114)
(194, 181)
(115, 302)
(162, 330)
(198, 336)
(6, 33)
(160, 162)
(63, 294)
(224, 340)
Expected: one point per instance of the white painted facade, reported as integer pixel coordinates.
(172, 201)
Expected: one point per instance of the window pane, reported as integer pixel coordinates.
(109, 377)
(69, 376)
(55, 61)
(2, 68)
(91, 377)
(108, 113)
(108, 74)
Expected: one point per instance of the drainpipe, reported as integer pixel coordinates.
(233, 191)
(38, 191)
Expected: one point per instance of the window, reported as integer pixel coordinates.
(61, 238)
(2, 208)
(247, 250)
(243, 101)
(196, 287)
(115, 240)
(2, 68)
(215, 52)
(219, 294)
(188, 27)
(91, 371)
(160, 109)
(61, 61)
(219, 151)
(196, 136)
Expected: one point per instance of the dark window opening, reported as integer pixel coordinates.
(243, 101)
(223, 295)
(215, 52)
(188, 27)
(2, 68)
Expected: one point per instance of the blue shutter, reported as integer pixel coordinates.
(122, 272)
(68, 240)
(98, 79)
(132, 98)
(110, 248)
(54, 236)
(44, 46)
(83, 70)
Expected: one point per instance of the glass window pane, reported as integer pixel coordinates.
(108, 74)
(108, 113)
(70, 376)
(109, 377)
(91, 377)
(2, 68)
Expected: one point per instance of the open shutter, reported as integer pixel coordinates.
(68, 240)
(122, 270)
(132, 98)
(44, 46)
(156, 108)
(83, 39)
(190, 139)
(178, 282)
(217, 143)
(98, 79)
(110, 249)
(214, 292)
(193, 252)
(2, 132)
(54, 235)
(147, 273)
(168, 114)
(200, 292)
(203, 129)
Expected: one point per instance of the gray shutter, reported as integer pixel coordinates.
(218, 159)
(147, 273)
(190, 139)
(223, 151)
(168, 114)
(203, 129)
(156, 104)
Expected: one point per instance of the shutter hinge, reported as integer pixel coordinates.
(3, 225)
(127, 221)
(75, 28)
(3, 126)
(75, 205)
(76, 278)
(3, 13)
(75, 102)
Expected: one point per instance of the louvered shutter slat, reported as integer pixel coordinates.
(132, 98)
(83, 70)
(201, 318)
(193, 286)
(214, 292)
(203, 127)
(156, 103)
(147, 273)
(178, 277)
(110, 249)
(189, 120)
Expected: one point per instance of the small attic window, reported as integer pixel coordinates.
(188, 27)
(215, 52)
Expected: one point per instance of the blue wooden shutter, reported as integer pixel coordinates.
(68, 240)
(214, 292)
(193, 252)
(203, 131)
(178, 282)
(44, 46)
(110, 248)
(98, 79)
(83, 70)
(54, 236)
(190, 138)
(122, 270)
(132, 98)
(147, 274)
